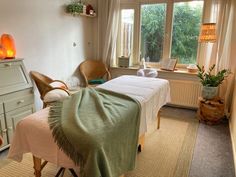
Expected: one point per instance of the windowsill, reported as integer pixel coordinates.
(176, 71)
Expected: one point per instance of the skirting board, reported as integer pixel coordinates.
(233, 147)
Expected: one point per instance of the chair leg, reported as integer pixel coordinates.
(61, 171)
(73, 172)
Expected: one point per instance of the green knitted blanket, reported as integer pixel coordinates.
(98, 130)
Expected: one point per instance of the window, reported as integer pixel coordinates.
(152, 31)
(186, 25)
(126, 32)
(167, 30)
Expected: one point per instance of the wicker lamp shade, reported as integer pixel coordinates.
(208, 32)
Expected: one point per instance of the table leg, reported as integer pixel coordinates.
(158, 119)
(141, 141)
(37, 166)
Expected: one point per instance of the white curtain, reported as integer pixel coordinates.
(220, 12)
(108, 21)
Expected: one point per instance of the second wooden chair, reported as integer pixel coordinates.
(94, 72)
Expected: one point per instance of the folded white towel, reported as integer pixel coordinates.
(148, 72)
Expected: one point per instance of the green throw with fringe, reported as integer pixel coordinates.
(98, 130)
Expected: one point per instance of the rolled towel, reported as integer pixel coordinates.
(140, 72)
(148, 72)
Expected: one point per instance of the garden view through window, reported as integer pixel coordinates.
(153, 18)
(186, 25)
(177, 41)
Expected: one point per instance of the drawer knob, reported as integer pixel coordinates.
(21, 101)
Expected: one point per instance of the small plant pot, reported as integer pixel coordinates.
(209, 92)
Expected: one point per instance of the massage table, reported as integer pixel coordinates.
(33, 135)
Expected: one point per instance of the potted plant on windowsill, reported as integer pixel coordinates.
(211, 82)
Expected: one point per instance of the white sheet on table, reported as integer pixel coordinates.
(152, 93)
(33, 135)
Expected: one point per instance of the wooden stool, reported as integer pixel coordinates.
(210, 111)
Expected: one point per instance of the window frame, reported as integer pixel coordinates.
(167, 42)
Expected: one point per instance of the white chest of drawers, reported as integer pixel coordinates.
(16, 97)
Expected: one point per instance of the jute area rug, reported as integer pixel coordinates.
(167, 152)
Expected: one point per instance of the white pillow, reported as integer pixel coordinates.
(55, 95)
(57, 84)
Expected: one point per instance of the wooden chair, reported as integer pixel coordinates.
(92, 70)
(43, 84)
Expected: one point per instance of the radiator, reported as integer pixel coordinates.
(185, 93)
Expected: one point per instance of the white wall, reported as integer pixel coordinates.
(44, 35)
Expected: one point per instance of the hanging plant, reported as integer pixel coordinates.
(74, 8)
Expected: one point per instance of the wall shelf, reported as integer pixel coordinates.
(85, 15)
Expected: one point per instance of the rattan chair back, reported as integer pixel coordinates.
(93, 69)
(43, 84)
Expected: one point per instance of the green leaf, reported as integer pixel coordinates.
(208, 79)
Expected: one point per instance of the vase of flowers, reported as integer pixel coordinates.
(210, 82)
